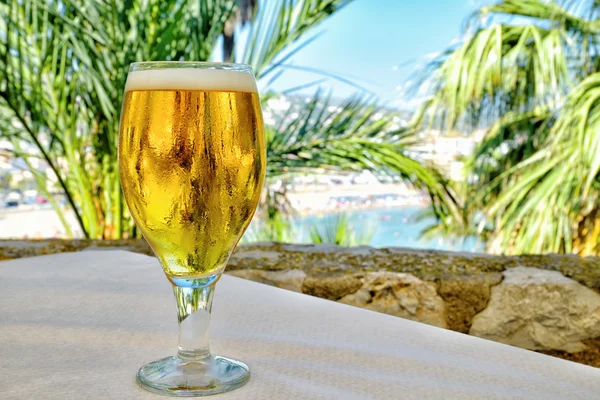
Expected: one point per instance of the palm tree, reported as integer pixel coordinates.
(62, 69)
(63, 66)
(323, 136)
(528, 73)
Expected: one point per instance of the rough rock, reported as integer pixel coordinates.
(10, 249)
(589, 356)
(290, 279)
(402, 295)
(331, 286)
(465, 296)
(539, 310)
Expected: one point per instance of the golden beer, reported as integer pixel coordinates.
(192, 164)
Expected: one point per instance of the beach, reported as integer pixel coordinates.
(385, 214)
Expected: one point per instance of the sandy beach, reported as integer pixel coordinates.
(31, 222)
(36, 222)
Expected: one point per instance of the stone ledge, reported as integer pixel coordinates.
(546, 303)
(425, 264)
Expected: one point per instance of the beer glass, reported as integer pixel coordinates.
(192, 165)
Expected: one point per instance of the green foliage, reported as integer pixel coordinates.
(277, 32)
(63, 67)
(62, 72)
(349, 137)
(340, 231)
(533, 84)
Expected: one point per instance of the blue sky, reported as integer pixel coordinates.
(370, 40)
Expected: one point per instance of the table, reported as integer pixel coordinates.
(79, 325)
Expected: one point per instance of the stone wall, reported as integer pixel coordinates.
(549, 303)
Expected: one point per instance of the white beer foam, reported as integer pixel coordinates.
(191, 79)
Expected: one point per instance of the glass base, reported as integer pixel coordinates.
(173, 376)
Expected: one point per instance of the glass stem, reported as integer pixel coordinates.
(193, 313)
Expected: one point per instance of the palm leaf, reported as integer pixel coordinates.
(353, 136)
(62, 71)
(278, 30)
(501, 68)
(533, 180)
(562, 188)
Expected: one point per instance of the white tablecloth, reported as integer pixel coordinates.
(79, 325)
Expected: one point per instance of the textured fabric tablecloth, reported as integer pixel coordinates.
(79, 325)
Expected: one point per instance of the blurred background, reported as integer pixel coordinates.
(446, 124)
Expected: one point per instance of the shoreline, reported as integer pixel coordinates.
(310, 200)
(41, 221)
(321, 212)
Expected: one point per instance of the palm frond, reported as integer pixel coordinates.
(558, 186)
(279, 29)
(355, 135)
(545, 199)
(543, 12)
(532, 83)
(501, 68)
(62, 70)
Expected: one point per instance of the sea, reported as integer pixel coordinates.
(389, 227)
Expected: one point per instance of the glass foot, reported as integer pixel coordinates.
(173, 376)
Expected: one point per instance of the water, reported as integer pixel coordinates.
(392, 227)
